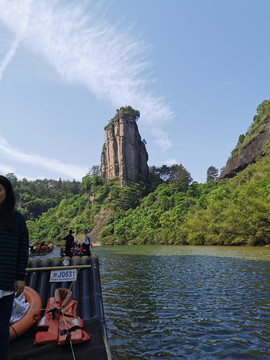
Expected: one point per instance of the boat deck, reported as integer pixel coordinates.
(86, 290)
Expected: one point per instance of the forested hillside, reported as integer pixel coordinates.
(229, 213)
(38, 196)
(235, 212)
(170, 209)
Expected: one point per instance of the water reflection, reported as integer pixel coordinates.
(186, 302)
(244, 252)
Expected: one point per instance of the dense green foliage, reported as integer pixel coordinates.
(233, 213)
(128, 110)
(263, 111)
(125, 110)
(229, 213)
(170, 210)
(79, 211)
(36, 197)
(75, 213)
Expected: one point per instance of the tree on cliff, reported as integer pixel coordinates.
(212, 173)
(175, 173)
(128, 110)
(263, 110)
(180, 177)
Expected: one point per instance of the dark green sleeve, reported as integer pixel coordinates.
(23, 248)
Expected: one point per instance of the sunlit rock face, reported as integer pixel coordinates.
(248, 153)
(124, 154)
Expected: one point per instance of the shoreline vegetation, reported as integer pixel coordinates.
(171, 209)
(169, 212)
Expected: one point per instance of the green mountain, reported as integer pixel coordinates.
(251, 146)
(170, 209)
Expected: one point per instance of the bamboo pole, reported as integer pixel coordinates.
(44, 268)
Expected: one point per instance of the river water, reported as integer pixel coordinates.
(185, 302)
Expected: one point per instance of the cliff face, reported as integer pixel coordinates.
(249, 150)
(124, 153)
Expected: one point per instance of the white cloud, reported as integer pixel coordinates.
(171, 162)
(162, 138)
(87, 50)
(72, 171)
(15, 44)
(9, 56)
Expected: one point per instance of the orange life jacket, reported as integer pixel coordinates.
(60, 323)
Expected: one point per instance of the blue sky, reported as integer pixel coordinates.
(196, 71)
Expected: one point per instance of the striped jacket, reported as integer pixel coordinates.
(13, 252)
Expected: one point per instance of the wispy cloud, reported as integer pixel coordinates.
(19, 35)
(8, 57)
(84, 48)
(70, 170)
(162, 137)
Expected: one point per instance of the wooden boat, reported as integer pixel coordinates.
(44, 276)
(39, 250)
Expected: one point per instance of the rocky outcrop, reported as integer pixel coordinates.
(249, 150)
(100, 223)
(124, 154)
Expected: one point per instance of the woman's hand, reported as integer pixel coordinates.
(18, 287)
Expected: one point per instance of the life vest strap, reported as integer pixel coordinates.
(59, 312)
(41, 328)
(74, 328)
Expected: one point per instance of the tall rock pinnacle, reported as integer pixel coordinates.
(124, 154)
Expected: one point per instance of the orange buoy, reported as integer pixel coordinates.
(30, 317)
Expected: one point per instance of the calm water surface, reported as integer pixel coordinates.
(176, 302)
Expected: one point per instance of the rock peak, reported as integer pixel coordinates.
(124, 154)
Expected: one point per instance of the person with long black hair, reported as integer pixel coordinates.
(14, 243)
(69, 243)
